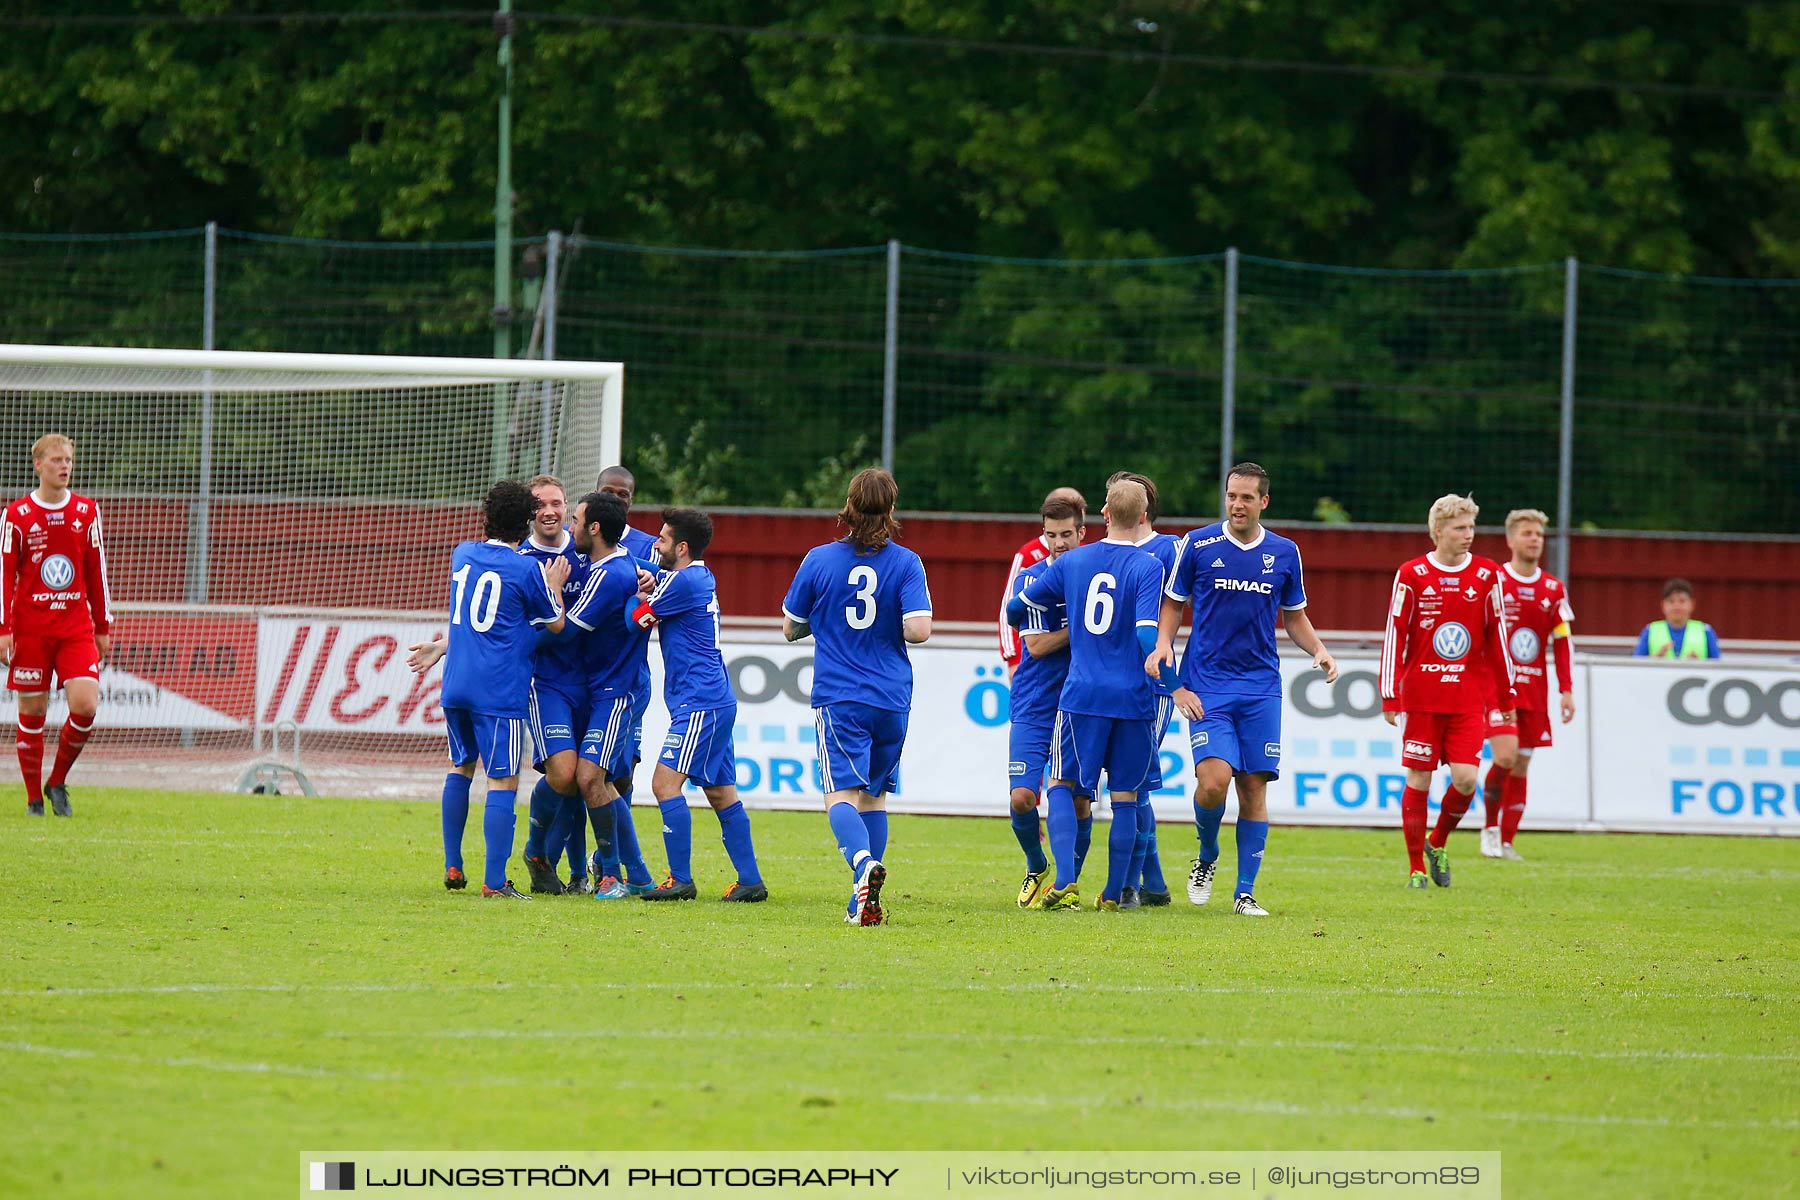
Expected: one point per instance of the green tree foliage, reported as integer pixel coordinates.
(1655, 137)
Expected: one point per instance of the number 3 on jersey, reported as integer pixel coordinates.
(862, 614)
(481, 611)
(1097, 612)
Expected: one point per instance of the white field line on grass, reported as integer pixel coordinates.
(1032, 1100)
(1347, 991)
(1160, 1040)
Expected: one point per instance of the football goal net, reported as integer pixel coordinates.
(277, 530)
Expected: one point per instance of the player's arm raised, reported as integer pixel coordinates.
(1393, 649)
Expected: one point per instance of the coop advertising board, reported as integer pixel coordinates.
(1708, 749)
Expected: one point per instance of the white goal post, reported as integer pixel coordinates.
(276, 525)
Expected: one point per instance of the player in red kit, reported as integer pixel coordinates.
(1031, 553)
(1537, 617)
(1446, 627)
(55, 616)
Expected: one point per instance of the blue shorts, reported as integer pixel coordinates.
(1245, 731)
(1165, 713)
(608, 743)
(1028, 749)
(699, 746)
(859, 747)
(498, 741)
(1083, 745)
(557, 723)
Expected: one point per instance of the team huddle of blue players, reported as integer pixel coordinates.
(548, 647)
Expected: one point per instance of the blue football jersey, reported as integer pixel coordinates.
(857, 605)
(615, 653)
(1237, 591)
(686, 603)
(1163, 547)
(498, 597)
(1111, 589)
(557, 663)
(641, 545)
(1037, 682)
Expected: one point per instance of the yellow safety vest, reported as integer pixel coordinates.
(1693, 640)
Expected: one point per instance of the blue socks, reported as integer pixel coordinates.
(1151, 866)
(454, 812)
(1084, 837)
(1140, 851)
(497, 822)
(678, 837)
(542, 810)
(1208, 821)
(851, 834)
(625, 842)
(875, 821)
(734, 829)
(1061, 821)
(1121, 843)
(1029, 830)
(1252, 836)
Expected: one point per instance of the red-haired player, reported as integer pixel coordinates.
(1445, 616)
(55, 616)
(1537, 619)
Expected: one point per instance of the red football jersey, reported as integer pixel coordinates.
(1441, 623)
(1535, 606)
(1034, 551)
(53, 569)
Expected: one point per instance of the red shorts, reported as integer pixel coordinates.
(1434, 738)
(1531, 727)
(35, 658)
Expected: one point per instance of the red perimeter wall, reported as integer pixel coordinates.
(387, 555)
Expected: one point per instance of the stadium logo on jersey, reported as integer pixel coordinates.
(1268, 564)
(1243, 585)
(1524, 645)
(1451, 641)
(58, 572)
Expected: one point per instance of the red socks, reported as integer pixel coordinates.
(31, 758)
(1450, 815)
(1412, 823)
(68, 747)
(1514, 809)
(1491, 790)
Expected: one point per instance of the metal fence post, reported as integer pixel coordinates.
(546, 426)
(1228, 376)
(1565, 447)
(890, 357)
(199, 558)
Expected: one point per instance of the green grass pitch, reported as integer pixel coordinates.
(196, 988)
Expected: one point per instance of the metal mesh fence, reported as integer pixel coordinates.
(759, 378)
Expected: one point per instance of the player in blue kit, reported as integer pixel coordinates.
(1238, 575)
(702, 709)
(619, 481)
(559, 710)
(1147, 888)
(614, 650)
(498, 600)
(1107, 708)
(1036, 684)
(863, 599)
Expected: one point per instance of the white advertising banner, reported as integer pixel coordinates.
(1710, 748)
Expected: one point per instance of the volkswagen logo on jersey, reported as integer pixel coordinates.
(1524, 645)
(58, 572)
(1451, 641)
